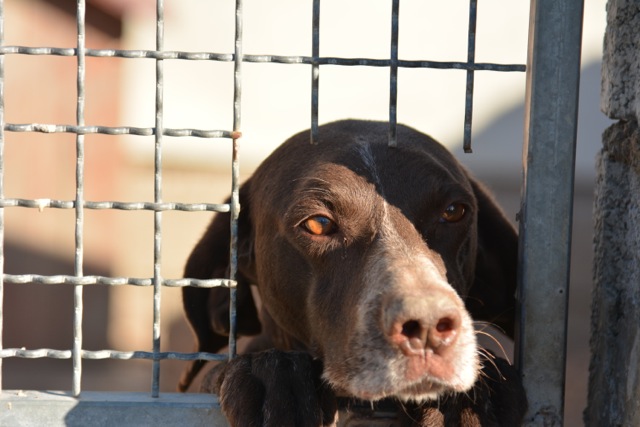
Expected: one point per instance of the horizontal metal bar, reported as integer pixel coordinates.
(62, 279)
(41, 204)
(108, 130)
(108, 354)
(280, 59)
(117, 53)
(441, 65)
(106, 409)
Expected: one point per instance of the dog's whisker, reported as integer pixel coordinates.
(469, 393)
(497, 342)
(482, 325)
(403, 408)
(491, 359)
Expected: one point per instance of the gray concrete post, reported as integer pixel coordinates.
(614, 383)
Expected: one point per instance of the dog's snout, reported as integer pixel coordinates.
(416, 325)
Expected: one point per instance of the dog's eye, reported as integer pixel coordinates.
(453, 213)
(319, 225)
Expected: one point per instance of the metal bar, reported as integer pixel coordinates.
(79, 207)
(393, 75)
(276, 59)
(1, 184)
(82, 130)
(553, 76)
(102, 409)
(41, 204)
(471, 58)
(235, 179)
(113, 281)
(315, 70)
(107, 354)
(157, 195)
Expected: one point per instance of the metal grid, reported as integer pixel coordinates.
(78, 280)
(158, 206)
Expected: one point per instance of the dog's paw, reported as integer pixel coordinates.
(273, 388)
(497, 399)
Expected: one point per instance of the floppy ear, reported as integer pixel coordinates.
(492, 296)
(207, 309)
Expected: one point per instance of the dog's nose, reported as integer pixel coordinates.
(434, 330)
(415, 335)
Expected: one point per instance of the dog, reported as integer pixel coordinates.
(372, 264)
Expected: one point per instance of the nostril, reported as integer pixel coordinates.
(443, 332)
(412, 329)
(413, 337)
(445, 325)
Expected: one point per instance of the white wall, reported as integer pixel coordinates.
(276, 98)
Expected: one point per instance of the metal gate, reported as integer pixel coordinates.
(550, 124)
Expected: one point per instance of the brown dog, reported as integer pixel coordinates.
(371, 262)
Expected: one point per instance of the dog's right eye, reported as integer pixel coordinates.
(453, 213)
(319, 225)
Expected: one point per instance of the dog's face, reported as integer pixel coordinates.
(362, 252)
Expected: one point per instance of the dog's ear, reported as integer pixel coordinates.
(492, 296)
(207, 309)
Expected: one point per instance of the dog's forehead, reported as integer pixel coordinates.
(351, 153)
(360, 177)
(422, 166)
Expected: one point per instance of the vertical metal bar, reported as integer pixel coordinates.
(157, 216)
(79, 203)
(393, 75)
(235, 176)
(315, 70)
(553, 77)
(1, 183)
(471, 59)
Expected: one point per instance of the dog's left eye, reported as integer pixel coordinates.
(453, 213)
(319, 225)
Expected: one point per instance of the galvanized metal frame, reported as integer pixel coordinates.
(551, 132)
(551, 118)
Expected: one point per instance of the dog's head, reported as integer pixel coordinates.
(366, 255)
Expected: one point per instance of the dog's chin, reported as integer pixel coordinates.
(423, 393)
(365, 387)
(398, 377)
(417, 393)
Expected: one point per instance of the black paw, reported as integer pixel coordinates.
(273, 388)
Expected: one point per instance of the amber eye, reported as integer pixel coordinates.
(453, 213)
(319, 225)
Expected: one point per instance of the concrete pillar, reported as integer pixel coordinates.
(614, 377)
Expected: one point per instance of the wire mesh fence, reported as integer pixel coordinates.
(80, 204)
